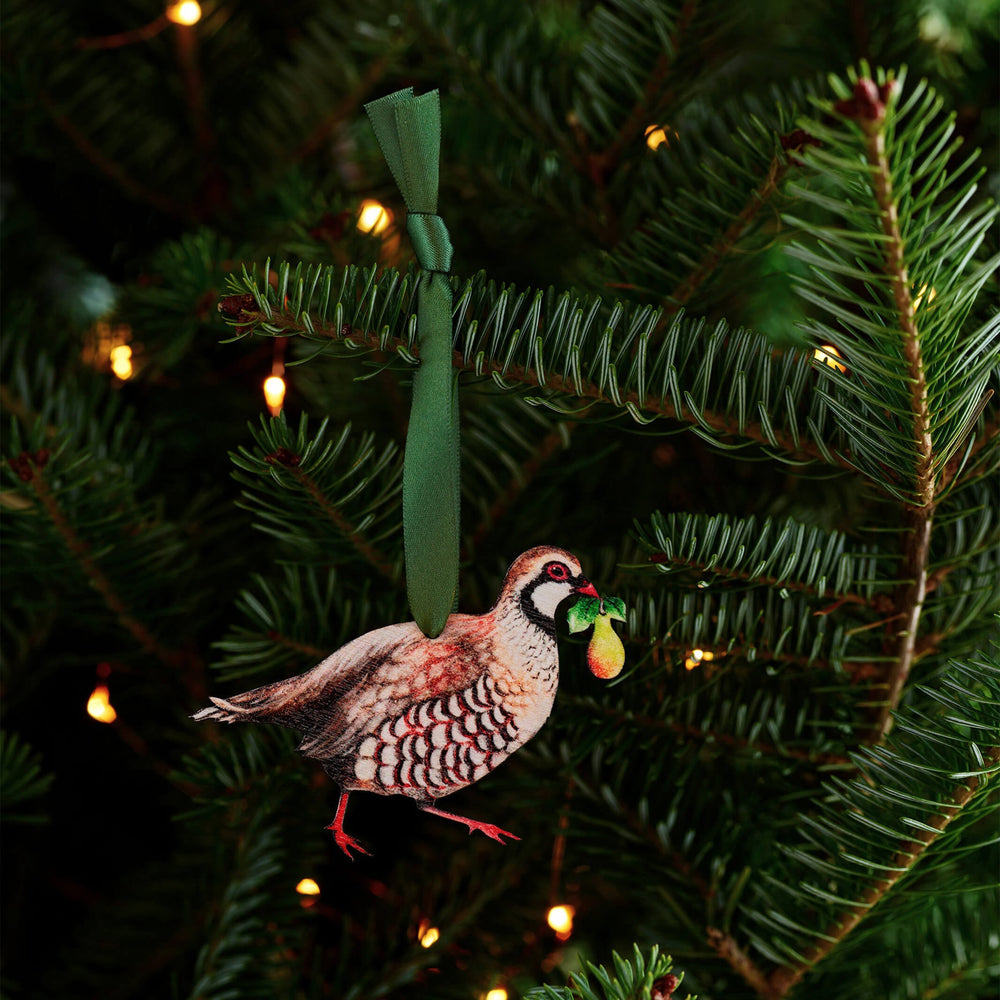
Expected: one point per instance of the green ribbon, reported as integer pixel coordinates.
(408, 130)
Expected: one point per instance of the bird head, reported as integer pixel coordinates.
(540, 579)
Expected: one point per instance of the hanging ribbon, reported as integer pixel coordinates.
(408, 130)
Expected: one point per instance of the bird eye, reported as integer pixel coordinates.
(557, 571)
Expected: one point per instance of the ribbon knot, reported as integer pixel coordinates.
(408, 130)
(431, 241)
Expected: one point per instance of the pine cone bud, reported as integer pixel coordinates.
(663, 988)
(867, 103)
(283, 457)
(232, 305)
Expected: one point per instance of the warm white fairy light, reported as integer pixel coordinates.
(373, 217)
(121, 361)
(560, 919)
(657, 135)
(429, 937)
(497, 993)
(274, 393)
(698, 656)
(307, 887)
(99, 705)
(828, 355)
(187, 12)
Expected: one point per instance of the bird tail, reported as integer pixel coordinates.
(259, 705)
(222, 711)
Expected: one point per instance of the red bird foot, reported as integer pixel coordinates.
(491, 831)
(347, 843)
(344, 840)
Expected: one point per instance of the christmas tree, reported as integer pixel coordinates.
(724, 327)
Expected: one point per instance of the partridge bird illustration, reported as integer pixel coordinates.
(396, 713)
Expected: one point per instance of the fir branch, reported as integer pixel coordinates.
(751, 652)
(728, 950)
(782, 980)
(638, 118)
(328, 508)
(346, 107)
(909, 601)
(29, 468)
(717, 252)
(355, 491)
(520, 480)
(306, 648)
(688, 731)
(790, 446)
(111, 169)
(777, 553)
(21, 779)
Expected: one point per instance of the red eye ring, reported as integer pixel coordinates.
(557, 571)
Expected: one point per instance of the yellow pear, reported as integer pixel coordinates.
(605, 654)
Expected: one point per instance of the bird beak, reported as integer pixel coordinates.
(584, 586)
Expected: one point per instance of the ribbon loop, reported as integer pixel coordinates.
(408, 130)
(431, 241)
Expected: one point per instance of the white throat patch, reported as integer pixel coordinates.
(546, 597)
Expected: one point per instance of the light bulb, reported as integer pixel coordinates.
(274, 393)
(373, 217)
(429, 937)
(307, 887)
(187, 12)
(657, 135)
(828, 355)
(498, 993)
(99, 705)
(121, 361)
(560, 919)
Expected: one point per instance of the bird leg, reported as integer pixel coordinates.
(344, 841)
(489, 829)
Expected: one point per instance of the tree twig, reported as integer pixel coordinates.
(373, 555)
(722, 246)
(803, 451)
(109, 168)
(784, 978)
(909, 599)
(29, 468)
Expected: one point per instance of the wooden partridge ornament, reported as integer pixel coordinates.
(396, 713)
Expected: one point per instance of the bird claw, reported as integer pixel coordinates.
(346, 842)
(491, 831)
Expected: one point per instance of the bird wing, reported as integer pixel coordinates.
(407, 673)
(371, 678)
(286, 700)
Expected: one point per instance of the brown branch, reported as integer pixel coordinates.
(868, 104)
(677, 645)
(305, 648)
(129, 37)
(29, 468)
(768, 581)
(601, 164)
(738, 959)
(784, 978)
(377, 558)
(344, 110)
(725, 426)
(109, 168)
(694, 732)
(214, 188)
(529, 468)
(713, 257)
